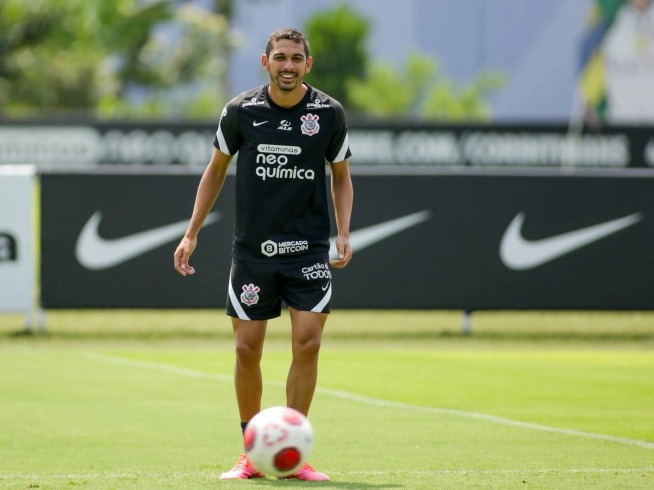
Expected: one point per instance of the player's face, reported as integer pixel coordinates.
(287, 64)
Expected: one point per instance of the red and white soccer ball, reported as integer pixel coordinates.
(278, 440)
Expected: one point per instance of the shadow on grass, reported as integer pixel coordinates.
(330, 484)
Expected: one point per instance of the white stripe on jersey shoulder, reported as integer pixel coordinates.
(343, 151)
(323, 302)
(220, 137)
(235, 302)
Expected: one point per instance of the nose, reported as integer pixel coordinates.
(288, 64)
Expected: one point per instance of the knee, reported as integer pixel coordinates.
(248, 353)
(307, 350)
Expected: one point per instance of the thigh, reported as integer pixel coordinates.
(307, 285)
(307, 326)
(249, 335)
(253, 291)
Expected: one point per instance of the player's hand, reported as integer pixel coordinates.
(182, 255)
(344, 253)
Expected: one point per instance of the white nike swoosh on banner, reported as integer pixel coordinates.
(517, 253)
(370, 235)
(96, 253)
(255, 123)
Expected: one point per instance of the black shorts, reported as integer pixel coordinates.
(256, 290)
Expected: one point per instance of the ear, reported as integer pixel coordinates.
(264, 62)
(309, 63)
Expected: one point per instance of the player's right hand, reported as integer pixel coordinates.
(182, 255)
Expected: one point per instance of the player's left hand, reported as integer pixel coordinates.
(344, 253)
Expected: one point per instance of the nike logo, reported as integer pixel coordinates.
(518, 253)
(324, 288)
(370, 235)
(97, 253)
(255, 123)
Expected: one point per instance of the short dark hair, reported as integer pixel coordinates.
(290, 34)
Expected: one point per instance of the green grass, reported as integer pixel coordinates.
(144, 399)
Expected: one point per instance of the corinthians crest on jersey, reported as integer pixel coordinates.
(310, 124)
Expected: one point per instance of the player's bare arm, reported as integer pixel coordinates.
(342, 196)
(209, 188)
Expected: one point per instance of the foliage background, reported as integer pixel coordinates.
(166, 59)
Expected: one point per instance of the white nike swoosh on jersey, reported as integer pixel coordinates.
(370, 235)
(518, 253)
(97, 253)
(255, 123)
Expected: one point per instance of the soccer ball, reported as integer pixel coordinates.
(278, 440)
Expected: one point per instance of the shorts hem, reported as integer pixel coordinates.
(255, 318)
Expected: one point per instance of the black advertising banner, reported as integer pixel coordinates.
(503, 242)
(108, 241)
(442, 240)
(70, 146)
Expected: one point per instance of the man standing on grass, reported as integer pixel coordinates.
(284, 133)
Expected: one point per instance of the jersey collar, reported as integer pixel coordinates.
(305, 100)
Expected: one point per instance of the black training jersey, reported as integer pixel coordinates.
(281, 194)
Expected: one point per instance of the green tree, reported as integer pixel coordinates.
(180, 74)
(54, 52)
(338, 42)
(420, 91)
(88, 56)
(448, 101)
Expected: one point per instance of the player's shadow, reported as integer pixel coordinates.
(330, 484)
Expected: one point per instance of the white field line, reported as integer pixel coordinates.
(445, 472)
(377, 402)
(489, 418)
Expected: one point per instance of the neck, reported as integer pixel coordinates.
(284, 98)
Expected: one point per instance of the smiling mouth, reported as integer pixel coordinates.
(287, 77)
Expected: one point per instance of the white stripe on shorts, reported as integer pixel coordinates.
(235, 302)
(323, 302)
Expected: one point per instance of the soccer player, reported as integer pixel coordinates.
(284, 132)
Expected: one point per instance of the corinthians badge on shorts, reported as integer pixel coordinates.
(310, 124)
(249, 295)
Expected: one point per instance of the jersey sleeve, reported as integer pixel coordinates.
(228, 136)
(339, 147)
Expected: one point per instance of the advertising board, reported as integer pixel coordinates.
(441, 240)
(17, 240)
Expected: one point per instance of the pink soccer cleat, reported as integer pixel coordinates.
(242, 470)
(307, 473)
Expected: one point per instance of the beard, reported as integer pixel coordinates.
(286, 85)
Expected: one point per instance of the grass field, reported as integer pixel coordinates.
(144, 399)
